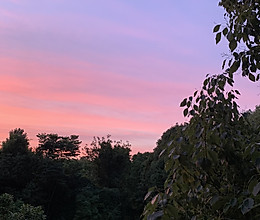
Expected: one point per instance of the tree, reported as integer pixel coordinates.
(213, 171)
(242, 31)
(17, 143)
(112, 160)
(17, 162)
(99, 203)
(55, 146)
(254, 117)
(9, 209)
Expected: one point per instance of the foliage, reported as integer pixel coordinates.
(242, 32)
(17, 143)
(111, 160)
(15, 159)
(213, 169)
(99, 203)
(55, 146)
(9, 209)
(254, 117)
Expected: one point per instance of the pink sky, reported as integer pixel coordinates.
(94, 68)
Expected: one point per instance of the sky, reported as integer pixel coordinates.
(98, 67)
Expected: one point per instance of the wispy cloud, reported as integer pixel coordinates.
(117, 67)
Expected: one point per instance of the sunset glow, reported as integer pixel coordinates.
(102, 67)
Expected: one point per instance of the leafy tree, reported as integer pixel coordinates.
(17, 143)
(242, 32)
(111, 159)
(99, 203)
(213, 170)
(9, 209)
(146, 171)
(254, 117)
(17, 162)
(52, 189)
(55, 146)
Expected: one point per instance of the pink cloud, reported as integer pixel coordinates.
(91, 85)
(47, 98)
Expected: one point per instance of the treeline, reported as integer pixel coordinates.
(105, 183)
(55, 180)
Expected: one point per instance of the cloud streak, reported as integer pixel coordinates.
(117, 67)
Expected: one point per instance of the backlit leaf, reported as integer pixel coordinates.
(232, 45)
(251, 77)
(183, 103)
(218, 37)
(216, 28)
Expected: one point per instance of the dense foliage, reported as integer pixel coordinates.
(17, 210)
(103, 182)
(69, 188)
(242, 32)
(214, 166)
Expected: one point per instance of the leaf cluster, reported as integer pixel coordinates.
(242, 32)
(213, 168)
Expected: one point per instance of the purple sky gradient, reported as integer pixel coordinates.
(106, 67)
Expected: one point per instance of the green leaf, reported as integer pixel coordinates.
(257, 77)
(170, 143)
(218, 204)
(223, 64)
(225, 31)
(218, 37)
(232, 45)
(251, 185)
(192, 112)
(229, 36)
(257, 163)
(175, 157)
(226, 208)
(172, 211)
(251, 77)
(256, 189)
(237, 92)
(235, 54)
(162, 152)
(214, 199)
(221, 84)
(247, 205)
(253, 68)
(213, 156)
(154, 199)
(168, 165)
(230, 81)
(150, 191)
(234, 66)
(185, 112)
(206, 81)
(183, 103)
(196, 108)
(233, 202)
(155, 215)
(216, 28)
